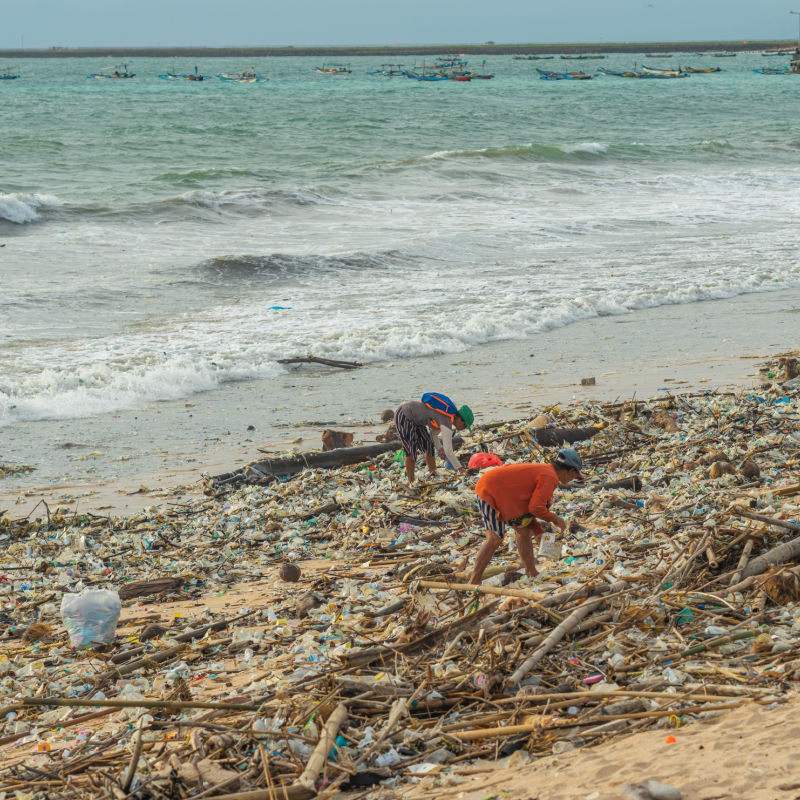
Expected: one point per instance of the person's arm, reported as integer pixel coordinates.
(542, 495)
(447, 446)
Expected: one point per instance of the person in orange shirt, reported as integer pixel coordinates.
(519, 495)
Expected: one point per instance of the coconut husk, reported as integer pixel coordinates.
(720, 468)
(749, 469)
(665, 420)
(290, 573)
(782, 587)
(36, 631)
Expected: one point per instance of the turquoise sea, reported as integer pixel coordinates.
(163, 238)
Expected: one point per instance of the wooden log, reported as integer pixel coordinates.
(309, 776)
(524, 594)
(511, 730)
(360, 658)
(142, 588)
(127, 780)
(188, 636)
(743, 559)
(328, 362)
(553, 437)
(284, 467)
(633, 482)
(781, 523)
(789, 551)
(558, 633)
(171, 705)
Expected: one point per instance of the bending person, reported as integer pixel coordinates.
(519, 495)
(424, 429)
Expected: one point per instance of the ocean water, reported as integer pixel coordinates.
(159, 239)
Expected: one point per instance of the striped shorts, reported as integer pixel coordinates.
(491, 519)
(415, 440)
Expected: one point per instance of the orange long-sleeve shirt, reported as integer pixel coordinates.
(518, 489)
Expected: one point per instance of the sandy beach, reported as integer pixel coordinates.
(101, 463)
(663, 644)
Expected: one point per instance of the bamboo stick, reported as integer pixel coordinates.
(171, 705)
(308, 778)
(511, 730)
(558, 633)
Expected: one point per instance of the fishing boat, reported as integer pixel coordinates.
(563, 76)
(389, 71)
(248, 76)
(779, 51)
(773, 71)
(703, 71)
(724, 55)
(8, 74)
(672, 73)
(663, 75)
(334, 69)
(618, 74)
(658, 55)
(115, 73)
(171, 75)
(533, 58)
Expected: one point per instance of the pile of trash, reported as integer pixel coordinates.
(313, 633)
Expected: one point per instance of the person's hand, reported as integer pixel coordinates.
(562, 524)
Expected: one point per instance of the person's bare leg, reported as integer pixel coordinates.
(430, 460)
(493, 541)
(525, 548)
(409, 464)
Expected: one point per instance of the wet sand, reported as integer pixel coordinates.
(101, 463)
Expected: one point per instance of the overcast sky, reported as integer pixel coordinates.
(127, 23)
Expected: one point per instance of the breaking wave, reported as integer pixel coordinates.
(24, 208)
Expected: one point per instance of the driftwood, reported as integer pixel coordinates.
(633, 482)
(558, 633)
(142, 588)
(308, 778)
(552, 437)
(285, 467)
(325, 361)
(788, 551)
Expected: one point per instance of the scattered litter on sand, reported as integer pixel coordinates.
(303, 634)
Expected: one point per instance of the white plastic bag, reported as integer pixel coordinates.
(91, 616)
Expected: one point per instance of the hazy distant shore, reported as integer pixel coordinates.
(394, 50)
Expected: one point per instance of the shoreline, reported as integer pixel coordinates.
(101, 463)
(374, 50)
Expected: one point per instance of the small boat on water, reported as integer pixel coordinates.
(724, 55)
(9, 74)
(658, 55)
(248, 76)
(532, 58)
(672, 73)
(778, 52)
(701, 71)
(334, 69)
(389, 71)
(582, 58)
(544, 75)
(171, 75)
(773, 71)
(619, 74)
(115, 73)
